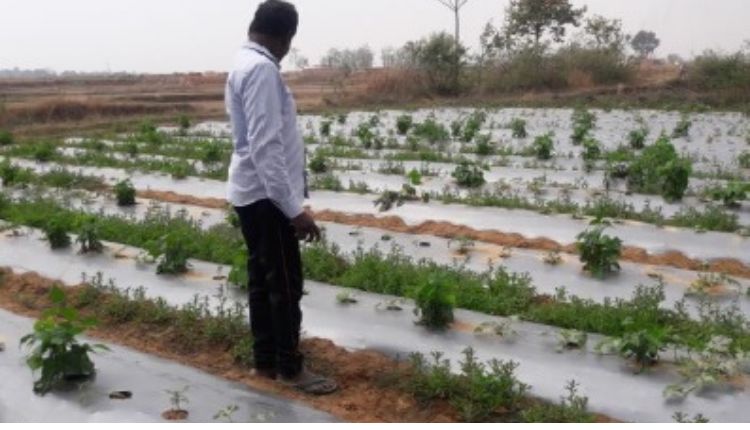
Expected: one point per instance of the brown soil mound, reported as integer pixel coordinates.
(170, 197)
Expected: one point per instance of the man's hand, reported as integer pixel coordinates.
(306, 228)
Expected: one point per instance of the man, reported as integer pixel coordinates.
(267, 187)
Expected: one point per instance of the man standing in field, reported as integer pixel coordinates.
(267, 187)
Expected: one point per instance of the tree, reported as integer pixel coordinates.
(435, 56)
(606, 33)
(455, 6)
(349, 59)
(645, 43)
(297, 60)
(534, 18)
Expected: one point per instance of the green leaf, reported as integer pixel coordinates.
(57, 295)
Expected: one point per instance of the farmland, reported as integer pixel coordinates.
(581, 248)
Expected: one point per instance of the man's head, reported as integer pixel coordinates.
(274, 26)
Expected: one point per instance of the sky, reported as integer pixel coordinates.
(164, 36)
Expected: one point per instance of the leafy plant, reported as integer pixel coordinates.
(56, 231)
(319, 163)
(6, 138)
(89, 237)
(325, 128)
(171, 253)
(468, 175)
(431, 131)
(599, 253)
(637, 138)
(682, 129)
(573, 408)
(473, 125)
(731, 194)
(484, 145)
(659, 170)
(56, 352)
(435, 300)
(404, 124)
(518, 127)
(675, 177)
(571, 339)
(346, 298)
(591, 149)
(44, 152)
(583, 122)
(125, 193)
(212, 153)
(642, 345)
(183, 121)
(543, 146)
(238, 275)
(415, 177)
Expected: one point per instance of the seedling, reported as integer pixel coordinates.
(177, 399)
(502, 329)
(346, 298)
(226, 414)
(88, 237)
(125, 193)
(56, 352)
(643, 346)
(571, 339)
(435, 301)
(553, 258)
(711, 284)
(465, 245)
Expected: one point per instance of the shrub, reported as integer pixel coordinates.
(543, 146)
(675, 176)
(212, 153)
(637, 138)
(56, 231)
(473, 125)
(56, 351)
(125, 193)
(468, 175)
(89, 237)
(404, 124)
(434, 300)
(431, 131)
(319, 163)
(599, 252)
(713, 71)
(6, 138)
(518, 126)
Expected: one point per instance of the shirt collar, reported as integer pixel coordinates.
(262, 50)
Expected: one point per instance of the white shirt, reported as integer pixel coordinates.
(268, 161)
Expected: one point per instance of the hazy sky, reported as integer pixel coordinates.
(199, 35)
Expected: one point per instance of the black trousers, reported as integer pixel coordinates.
(275, 286)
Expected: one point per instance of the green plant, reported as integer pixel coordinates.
(89, 237)
(484, 145)
(682, 129)
(56, 351)
(573, 408)
(583, 122)
(731, 194)
(404, 124)
(637, 138)
(599, 252)
(346, 298)
(56, 231)
(468, 175)
(592, 151)
(177, 399)
(431, 131)
(434, 299)
(325, 128)
(675, 177)
(683, 418)
(125, 193)
(6, 138)
(744, 160)
(543, 146)
(642, 345)
(149, 134)
(571, 339)
(171, 253)
(415, 177)
(553, 258)
(226, 414)
(183, 121)
(212, 153)
(238, 274)
(319, 163)
(341, 118)
(659, 170)
(518, 127)
(44, 152)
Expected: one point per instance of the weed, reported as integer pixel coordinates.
(124, 193)
(212, 153)
(708, 283)
(599, 252)
(238, 275)
(43, 152)
(56, 351)
(502, 329)
(183, 121)
(435, 301)
(659, 170)
(431, 131)
(327, 181)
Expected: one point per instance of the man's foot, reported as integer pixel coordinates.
(310, 383)
(264, 373)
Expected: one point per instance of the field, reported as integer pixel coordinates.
(582, 249)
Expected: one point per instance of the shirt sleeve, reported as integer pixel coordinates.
(263, 94)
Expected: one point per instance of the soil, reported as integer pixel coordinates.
(170, 197)
(175, 415)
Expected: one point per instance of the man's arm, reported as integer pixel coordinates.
(262, 106)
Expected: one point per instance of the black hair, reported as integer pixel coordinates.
(275, 18)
